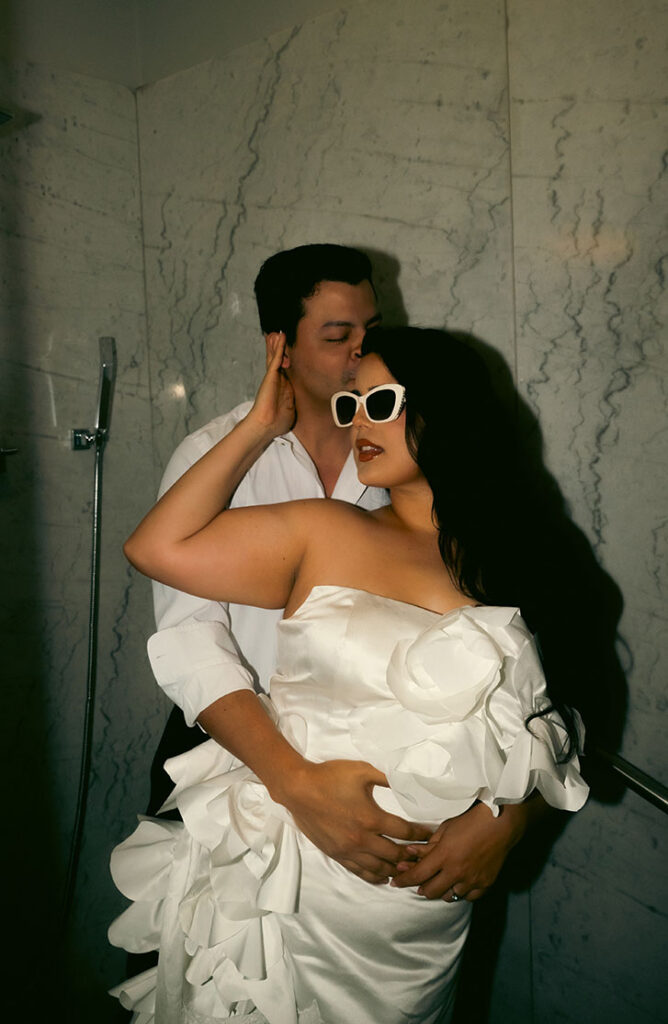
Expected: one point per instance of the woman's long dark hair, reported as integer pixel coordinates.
(485, 507)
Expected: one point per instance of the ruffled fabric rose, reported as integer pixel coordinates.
(453, 730)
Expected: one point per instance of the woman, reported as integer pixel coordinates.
(397, 648)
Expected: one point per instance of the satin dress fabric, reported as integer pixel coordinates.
(252, 921)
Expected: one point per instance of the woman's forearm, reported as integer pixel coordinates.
(157, 546)
(197, 497)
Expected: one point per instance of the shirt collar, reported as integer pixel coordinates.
(348, 486)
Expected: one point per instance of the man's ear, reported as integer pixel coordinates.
(271, 339)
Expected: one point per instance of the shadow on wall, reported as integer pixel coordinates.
(386, 270)
(578, 634)
(579, 643)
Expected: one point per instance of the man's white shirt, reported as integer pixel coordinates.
(204, 650)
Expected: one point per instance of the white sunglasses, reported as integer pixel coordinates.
(381, 404)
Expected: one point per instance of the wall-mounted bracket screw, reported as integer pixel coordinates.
(82, 440)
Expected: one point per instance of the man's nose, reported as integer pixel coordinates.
(357, 339)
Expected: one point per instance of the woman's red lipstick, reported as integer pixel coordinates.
(366, 450)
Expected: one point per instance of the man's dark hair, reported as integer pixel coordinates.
(289, 277)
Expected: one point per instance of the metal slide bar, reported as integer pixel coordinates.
(647, 787)
(81, 440)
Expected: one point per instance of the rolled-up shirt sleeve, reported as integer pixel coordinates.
(196, 663)
(193, 655)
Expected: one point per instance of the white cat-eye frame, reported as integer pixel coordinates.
(381, 404)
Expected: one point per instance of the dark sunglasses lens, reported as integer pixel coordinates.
(380, 404)
(346, 407)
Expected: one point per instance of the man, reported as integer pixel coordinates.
(208, 657)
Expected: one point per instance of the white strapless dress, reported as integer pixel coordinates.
(254, 923)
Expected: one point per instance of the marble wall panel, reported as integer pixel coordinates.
(588, 128)
(599, 922)
(365, 126)
(589, 188)
(71, 269)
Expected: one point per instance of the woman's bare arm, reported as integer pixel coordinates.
(248, 556)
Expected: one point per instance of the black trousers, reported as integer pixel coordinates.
(176, 739)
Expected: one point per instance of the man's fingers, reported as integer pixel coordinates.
(420, 850)
(405, 865)
(437, 887)
(374, 777)
(417, 874)
(398, 828)
(382, 850)
(378, 866)
(367, 876)
(391, 824)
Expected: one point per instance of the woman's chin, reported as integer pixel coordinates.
(366, 474)
(386, 476)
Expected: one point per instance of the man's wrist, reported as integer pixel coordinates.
(292, 779)
(518, 818)
(513, 822)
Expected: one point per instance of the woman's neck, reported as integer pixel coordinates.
(412, 504)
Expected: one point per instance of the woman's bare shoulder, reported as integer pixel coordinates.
(328, 512)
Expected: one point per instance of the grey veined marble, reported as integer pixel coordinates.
(394, 140)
